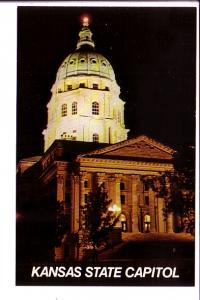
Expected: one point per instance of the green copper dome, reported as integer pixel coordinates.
(85, 63)
(85, 60)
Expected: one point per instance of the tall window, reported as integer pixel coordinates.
(122, 186)
(85, 183)
(95, 108)
(68, 198)
(74, 108)
(95, 138)
(146, 186)
(86, 197)
(64, 110)
(123, 199)
(146, 200)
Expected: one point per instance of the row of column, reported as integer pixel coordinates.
(113, 185)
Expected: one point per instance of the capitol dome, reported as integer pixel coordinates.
(85, 103)
(85, 60)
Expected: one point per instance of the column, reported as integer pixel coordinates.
(134, 201)
(161, 218)
(60, 187)
(100, 178)
(117, 191)
(59, 251)
(169, 220)
(169, 223)
(83, 177)
(152, 210)
(75, 204)
(111, 195)
(114, 190)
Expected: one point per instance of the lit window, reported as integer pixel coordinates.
(74, 108)
(95, 138)
(122, 198)
(95, 108)
(64, 110)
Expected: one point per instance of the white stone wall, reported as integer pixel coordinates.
(108, 124)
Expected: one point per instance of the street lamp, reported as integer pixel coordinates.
(115, 209)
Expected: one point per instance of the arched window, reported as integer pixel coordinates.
(95, 137)
(95, 108)
(74, 108)
(64, 110)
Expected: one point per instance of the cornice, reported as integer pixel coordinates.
(117, 162)
(131, 142)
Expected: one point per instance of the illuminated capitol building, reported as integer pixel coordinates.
(86, 144)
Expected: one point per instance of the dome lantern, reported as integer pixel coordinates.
(85, 35)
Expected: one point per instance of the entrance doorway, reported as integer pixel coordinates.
(123, 222)
(147, 220)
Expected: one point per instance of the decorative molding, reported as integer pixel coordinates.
(130, 142)
(95, 162)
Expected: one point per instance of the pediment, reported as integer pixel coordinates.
(141, 147)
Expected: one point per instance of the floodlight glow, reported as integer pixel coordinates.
(85, 21)
(115, 208)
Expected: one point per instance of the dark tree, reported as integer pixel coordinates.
(178, 189)
(97, 220)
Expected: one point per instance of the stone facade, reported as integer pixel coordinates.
(139, 207)
(86, 145)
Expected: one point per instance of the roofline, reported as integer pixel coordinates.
(127, 142)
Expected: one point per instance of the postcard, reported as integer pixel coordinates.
(106, 140)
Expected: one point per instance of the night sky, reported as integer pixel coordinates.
(152, 51)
